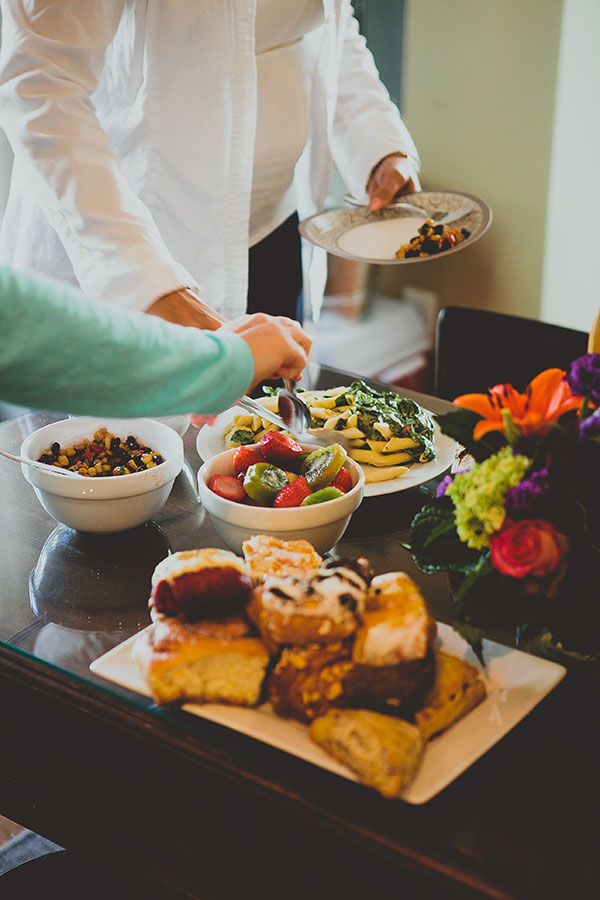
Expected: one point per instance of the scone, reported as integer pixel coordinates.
(266, 555)
(218, 661)
(384, 752)
(196, 584)
(457, 689)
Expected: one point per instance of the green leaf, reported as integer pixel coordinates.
(472, 635)
(434, 543)
(459, 424)
(467, 601)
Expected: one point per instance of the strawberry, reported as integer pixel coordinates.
(342, 481)
(244, 457)
(292, 494)
(278, 447)
(227, 486)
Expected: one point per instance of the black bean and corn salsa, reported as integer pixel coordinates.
(105, 454)
(431, 239)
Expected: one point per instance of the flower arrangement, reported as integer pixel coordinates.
(520, 528)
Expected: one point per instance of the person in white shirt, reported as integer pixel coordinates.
(156, 141)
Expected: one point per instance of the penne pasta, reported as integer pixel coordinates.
(374, 474)
(372, 458)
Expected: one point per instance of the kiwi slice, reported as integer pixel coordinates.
(321, 466)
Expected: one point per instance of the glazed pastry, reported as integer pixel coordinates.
(306, 681)
(396, 627)
(321, 607)
(267, 555)
(195, 584)
(457, 690)
(219, 662)
(384, 752)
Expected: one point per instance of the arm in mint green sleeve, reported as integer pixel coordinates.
(61, 351)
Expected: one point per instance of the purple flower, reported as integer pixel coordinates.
(525, 497)
(590, 427)
(584, 376)
(443, 485)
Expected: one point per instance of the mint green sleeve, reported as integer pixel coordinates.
(62, 351)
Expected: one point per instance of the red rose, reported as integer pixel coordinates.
(530, 547)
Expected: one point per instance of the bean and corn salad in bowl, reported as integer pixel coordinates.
(104, 455)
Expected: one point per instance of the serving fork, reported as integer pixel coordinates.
(324, 437)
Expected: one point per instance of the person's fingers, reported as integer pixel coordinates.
(382, 194)
(244, 323)
(198, 420)
(301, 337)
(392, 178)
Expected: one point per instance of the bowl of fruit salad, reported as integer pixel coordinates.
(281, 488)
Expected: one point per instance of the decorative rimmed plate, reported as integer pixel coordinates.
(515, 682)
(374, 237)
(210, 441)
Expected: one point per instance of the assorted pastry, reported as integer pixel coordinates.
(327, 643)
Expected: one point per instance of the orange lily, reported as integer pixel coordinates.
(545, 400)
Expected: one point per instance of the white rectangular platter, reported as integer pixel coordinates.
(515, 682)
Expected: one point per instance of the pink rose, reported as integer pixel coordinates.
(530, 547)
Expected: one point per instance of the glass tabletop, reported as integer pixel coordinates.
(68, 597)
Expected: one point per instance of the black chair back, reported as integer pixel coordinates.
(476, 349)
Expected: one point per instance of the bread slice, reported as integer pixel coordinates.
(216, 662)
(384, 752)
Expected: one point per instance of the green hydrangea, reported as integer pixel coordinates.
(478, 496)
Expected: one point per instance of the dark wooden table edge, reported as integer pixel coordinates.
(80, 699)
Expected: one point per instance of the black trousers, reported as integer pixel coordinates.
(275, 272)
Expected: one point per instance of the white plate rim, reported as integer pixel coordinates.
(419, 473)
(516, 682)
(323, 229)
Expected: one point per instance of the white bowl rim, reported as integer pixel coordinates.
(104, 488)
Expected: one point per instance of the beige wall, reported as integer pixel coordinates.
(479, 97)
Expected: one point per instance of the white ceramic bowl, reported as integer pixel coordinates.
(104, 504)
(322, 524)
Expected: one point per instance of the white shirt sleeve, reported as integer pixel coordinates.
(367, 125)
(52, 55)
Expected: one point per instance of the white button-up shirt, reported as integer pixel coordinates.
(133, 127)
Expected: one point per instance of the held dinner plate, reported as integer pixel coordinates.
(374, 237)
(515, 683)
(210, 441)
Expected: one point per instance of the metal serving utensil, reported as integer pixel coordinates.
(39, 465)
(292, 409)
